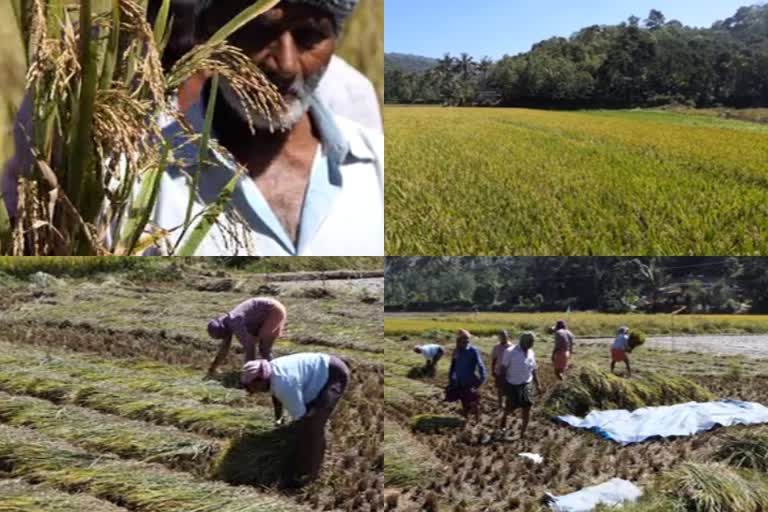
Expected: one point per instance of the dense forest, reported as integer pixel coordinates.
(609, 284)
(637, 63)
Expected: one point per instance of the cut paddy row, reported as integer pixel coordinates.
(516, 181)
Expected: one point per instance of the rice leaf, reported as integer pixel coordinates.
(161, 24)
(111, 56)
(142, 208)
(242, 19)
(82, 182)
(209, 218)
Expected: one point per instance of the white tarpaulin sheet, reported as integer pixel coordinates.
(612, 492)
(669, 421)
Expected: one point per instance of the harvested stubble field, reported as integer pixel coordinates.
(476, 468)
(516, 181)
(103, 405)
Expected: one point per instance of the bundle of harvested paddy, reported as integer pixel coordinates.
(435, 423)
(19, 496)
(745, 450)
(714, 487)
(597, 389)
(636, 338)
(126, 438)
(261, 459)
(208, 419)
(137, 486)
(151, 377)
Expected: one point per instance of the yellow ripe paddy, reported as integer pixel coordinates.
(518, 181)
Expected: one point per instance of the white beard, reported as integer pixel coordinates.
(294, 111)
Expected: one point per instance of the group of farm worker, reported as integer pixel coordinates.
(307, 385)
(514, 369)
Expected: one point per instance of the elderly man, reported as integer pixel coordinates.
(314, 183)
(256, 322)
(308, 385)
(466, 375)
(519, 366)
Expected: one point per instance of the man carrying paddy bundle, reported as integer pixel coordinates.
(562, 350)
(620, 348)
(432, 353)
(519, 366)
(497, 357)
(466, 375)
(256, 322)
(308, 386)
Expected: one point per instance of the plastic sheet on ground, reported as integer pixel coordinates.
(678, 420)
(612, 492)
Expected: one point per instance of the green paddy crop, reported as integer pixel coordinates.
(515, 181)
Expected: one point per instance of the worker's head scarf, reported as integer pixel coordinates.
(260, 369)
(623, 329)
(217, 329)
(463, 333)
(340, 9)
(560, 324)
(503, 335)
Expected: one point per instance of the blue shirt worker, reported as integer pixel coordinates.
(466, 375)
(308, 386)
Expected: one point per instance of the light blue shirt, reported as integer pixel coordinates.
(343, 209)
(297, 379)
(429, 351)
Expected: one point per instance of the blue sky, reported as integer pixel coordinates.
(434, 27)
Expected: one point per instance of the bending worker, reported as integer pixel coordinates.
(256, 322)
(431, 352)
(308, 386)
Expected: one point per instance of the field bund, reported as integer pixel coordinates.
(516, 181)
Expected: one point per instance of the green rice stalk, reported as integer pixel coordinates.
(242, 19)
(209, 218)
(102, 433)
(596, 389)
(203, 150)
(714, 487)
(138, 216)
(137, 486)
(110, 59)
(434, 423)
(745, 450)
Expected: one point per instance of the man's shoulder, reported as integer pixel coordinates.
(353, 131)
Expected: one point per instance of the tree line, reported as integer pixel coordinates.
(608, 284)
(637, 63)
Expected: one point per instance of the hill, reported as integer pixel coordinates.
(408, 63)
